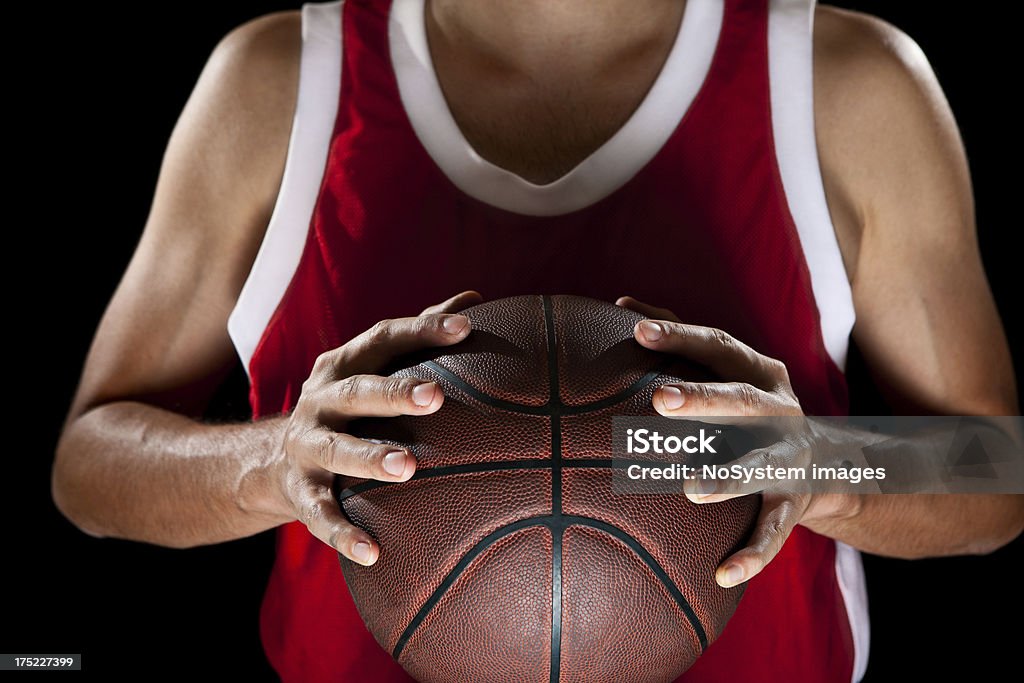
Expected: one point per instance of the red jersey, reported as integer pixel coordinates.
(708, 201)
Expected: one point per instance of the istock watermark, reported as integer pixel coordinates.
(648, 441)
(965, 454)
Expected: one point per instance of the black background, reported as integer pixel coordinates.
(104, 108)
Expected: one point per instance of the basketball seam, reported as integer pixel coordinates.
(548, 408)
(493, 466)
(456, 571)
(645, 556)
(555, 404)
(553, 525)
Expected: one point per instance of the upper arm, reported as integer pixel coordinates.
(163, 337)
(899, 189)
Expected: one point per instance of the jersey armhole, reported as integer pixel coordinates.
(308, 145)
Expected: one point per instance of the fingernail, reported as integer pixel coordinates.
(394, 463)
(730, 575)
(453, 324)
(423, 394)
(672, 397)
(361, 552)
(651, 331)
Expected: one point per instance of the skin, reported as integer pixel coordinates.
(135, 462)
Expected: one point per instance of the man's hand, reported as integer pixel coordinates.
(342, 387)
(756, 386)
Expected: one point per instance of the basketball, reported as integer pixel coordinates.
(508, 557)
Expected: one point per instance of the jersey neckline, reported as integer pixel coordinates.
(605, 170)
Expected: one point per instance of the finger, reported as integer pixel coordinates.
(777, 460)
(342, 453)
(721, 399)
(374, 349)
(780, 513)
(646, 309)
(724, 354)
(318, 510)
(456, 303)
(375, 396)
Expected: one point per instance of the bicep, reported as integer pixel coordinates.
(926, 321)
(163, 338)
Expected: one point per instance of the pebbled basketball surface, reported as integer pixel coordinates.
(507, 557)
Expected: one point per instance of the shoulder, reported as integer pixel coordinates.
(867, 72)
(853, 49)
(245, 98)
(262, 51)
(239, 116)
(225, 159)
(885, 130)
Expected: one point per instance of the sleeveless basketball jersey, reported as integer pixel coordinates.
(708, 201)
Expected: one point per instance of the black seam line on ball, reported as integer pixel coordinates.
(482, 545)
(497, 466)
(653, 565)
(557, 527)
(555, 404)
(556, 604)
(547, 409)
(487, 399)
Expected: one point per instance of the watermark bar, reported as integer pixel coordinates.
(883, 454)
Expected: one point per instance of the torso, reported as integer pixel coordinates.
(542, 143)
(707, 197)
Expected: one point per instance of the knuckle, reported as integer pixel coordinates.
(337, 535)
(674, 328)
(749, 398)
(347, 390)
(776, 529)
(792, 406)
(381, 331)
(778, 369)
(397, 391)
(322, 363)
(702, 393)
(313, 512)
(324, 368)
(779, 531)
(309, 385)
(371, 453)
(722, 338)
(327, 451)
(428, 323)
(298, 414)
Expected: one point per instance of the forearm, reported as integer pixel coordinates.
(913, 526)
(130, 470)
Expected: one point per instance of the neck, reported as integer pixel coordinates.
(538, 36)
(536, 86)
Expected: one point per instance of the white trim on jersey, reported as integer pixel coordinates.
(597, 176)
(312, 126)
(791, 74)
(850, 575)
(790, 71)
